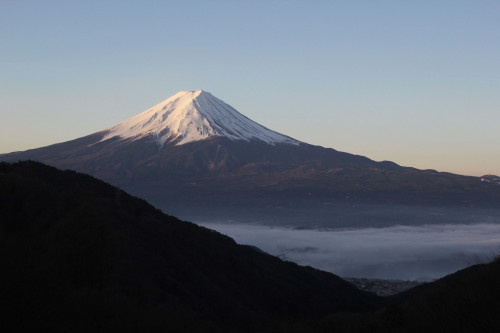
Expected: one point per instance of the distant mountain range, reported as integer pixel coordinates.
(197, 157)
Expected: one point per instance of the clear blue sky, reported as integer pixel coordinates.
(416, 82)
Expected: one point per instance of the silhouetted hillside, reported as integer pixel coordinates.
(79, 255)
(466, 301)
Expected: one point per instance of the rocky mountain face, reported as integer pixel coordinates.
(197, 157)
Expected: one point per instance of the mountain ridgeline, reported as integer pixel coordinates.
(195, 156)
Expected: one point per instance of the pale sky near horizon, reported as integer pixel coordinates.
(415, 82)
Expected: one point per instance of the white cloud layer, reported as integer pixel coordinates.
(398, 252)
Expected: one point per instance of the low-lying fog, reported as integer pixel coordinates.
(398, 252)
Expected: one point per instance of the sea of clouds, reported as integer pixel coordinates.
(398, 252)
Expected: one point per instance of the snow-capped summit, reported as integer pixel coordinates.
(191, 116)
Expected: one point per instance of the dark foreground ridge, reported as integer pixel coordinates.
(79, 255)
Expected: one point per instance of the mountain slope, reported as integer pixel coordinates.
(80, 255)
(196, 156)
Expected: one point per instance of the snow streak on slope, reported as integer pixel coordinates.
(192, 116)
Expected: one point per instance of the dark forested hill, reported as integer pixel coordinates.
(467, 301)
(79, 255)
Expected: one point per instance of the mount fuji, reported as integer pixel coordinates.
(195, 156)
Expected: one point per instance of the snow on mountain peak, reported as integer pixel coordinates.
(191, 116)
